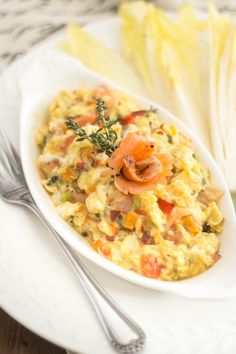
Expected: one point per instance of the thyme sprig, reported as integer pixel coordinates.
(104, 138)
(153, 110)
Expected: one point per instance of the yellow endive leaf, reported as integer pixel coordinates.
(101, 59)
(222, 68)
(171, 58)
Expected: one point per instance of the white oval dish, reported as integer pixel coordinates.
(39, 84)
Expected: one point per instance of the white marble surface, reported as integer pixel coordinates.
(23, 23)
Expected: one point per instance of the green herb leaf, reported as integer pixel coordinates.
(52, 180)
(66, 197)
(170, 139)
(203, 182)
(153, 110)
(206, 228)
(74, 126)
(105, 137)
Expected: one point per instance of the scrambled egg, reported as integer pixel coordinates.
(167, 231)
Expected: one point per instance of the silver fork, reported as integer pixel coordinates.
(123, 333)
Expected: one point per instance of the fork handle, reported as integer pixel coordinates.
(123, 333)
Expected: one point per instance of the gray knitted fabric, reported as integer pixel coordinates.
(23, 23)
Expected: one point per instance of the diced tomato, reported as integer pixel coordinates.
(86, 119)
(110, 238)
(64, 146)
(80, 165)
(150, 267)
(165, 206)
(95, 161)
(129, 119)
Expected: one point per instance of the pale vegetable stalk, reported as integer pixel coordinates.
(171, 57)
(222, 32)
(101, 59)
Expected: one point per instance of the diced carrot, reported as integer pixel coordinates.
(79, 210)
(106, 251)
(130, 220)
(69, 175)
(165, 206)
(99, 246)
(91, 189)
(190, 225)
(86, 154)
(150, 267)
